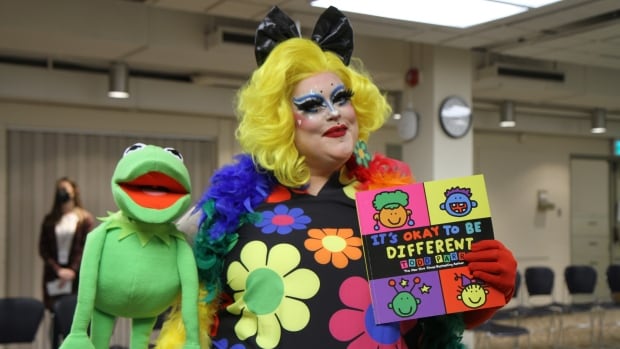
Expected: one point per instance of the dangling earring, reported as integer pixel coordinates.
(362, 156)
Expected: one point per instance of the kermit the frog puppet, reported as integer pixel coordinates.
(136, 263)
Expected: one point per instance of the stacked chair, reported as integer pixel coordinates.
(539, 281)
(540, 312)
(613, 281)
(20, 318)
(581, 283)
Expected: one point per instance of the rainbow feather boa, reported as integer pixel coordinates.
(228, 204)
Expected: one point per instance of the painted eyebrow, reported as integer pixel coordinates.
(309, 96)
(336, 90)
(315, 95)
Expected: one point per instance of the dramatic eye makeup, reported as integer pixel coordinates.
(341, 96)
(310, 103)
(314, 103)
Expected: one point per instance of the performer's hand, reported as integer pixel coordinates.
(493, 263)
(66, 274)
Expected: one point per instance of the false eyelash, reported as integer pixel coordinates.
(344, 95)
(309, 105)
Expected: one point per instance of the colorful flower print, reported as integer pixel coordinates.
(282, 220)
(268, 289)
(356, 323)
(362, 156)
(350, 190)
(278, 194)
(223, 344)
(335, 245)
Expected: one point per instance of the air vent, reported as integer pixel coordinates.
(530, 74)
(526, 73)
(229, 36)
(237, 38)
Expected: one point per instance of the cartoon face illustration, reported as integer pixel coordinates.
(458, 202)
(404, 303)
(393, 217)
(392, 211)
(472, 293)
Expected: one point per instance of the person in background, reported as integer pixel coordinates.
(61, 241)
(277, 243)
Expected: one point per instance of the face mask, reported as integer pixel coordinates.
(62, 196)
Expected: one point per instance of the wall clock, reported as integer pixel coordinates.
(455, 116)
(408, 125)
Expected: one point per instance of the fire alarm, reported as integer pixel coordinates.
(412, 77)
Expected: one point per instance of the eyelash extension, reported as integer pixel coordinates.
(344, 95)
(314, 104)
(309, 105)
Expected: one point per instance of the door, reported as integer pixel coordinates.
(590, 216)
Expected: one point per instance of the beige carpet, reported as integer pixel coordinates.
(577, 332)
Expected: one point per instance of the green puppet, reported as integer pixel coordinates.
(136, 263)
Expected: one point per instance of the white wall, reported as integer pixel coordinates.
(516, 166)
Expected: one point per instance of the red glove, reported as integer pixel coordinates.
(491, 262)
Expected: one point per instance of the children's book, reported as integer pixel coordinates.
(414, 239)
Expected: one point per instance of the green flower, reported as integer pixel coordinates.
(362, 156)
(269, 292)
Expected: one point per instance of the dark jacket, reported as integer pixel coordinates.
(48, 251)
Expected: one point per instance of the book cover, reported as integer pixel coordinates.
(414, 239)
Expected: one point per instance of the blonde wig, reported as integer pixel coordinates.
(264, 105)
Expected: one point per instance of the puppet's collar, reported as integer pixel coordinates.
(144, 231)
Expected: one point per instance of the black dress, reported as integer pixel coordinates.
(296, 279)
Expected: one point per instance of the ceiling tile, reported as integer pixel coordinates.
(603, 33)
(173, 37)
(567, 15)
(562, 42)
(378, 30)
(468, 41)
(582, 57)
(431, 36)
(613, 40)
(600, 48)
(186, 5)
(239, 9)
(503, 32)
(525, 50)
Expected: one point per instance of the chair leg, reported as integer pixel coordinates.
(601, 322)
(517, 341)
(529, 341)
(554, 341)
(557, 342)
(592, 323)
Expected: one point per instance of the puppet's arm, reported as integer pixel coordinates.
(188, 274)
(493, 263)
(78, 337)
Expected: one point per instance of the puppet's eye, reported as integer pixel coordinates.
(174, 152)
(133, 148)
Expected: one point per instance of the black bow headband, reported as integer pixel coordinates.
(332, 32)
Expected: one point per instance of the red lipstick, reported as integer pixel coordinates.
(336, 131)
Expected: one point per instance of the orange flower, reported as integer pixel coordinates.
(335, 245)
